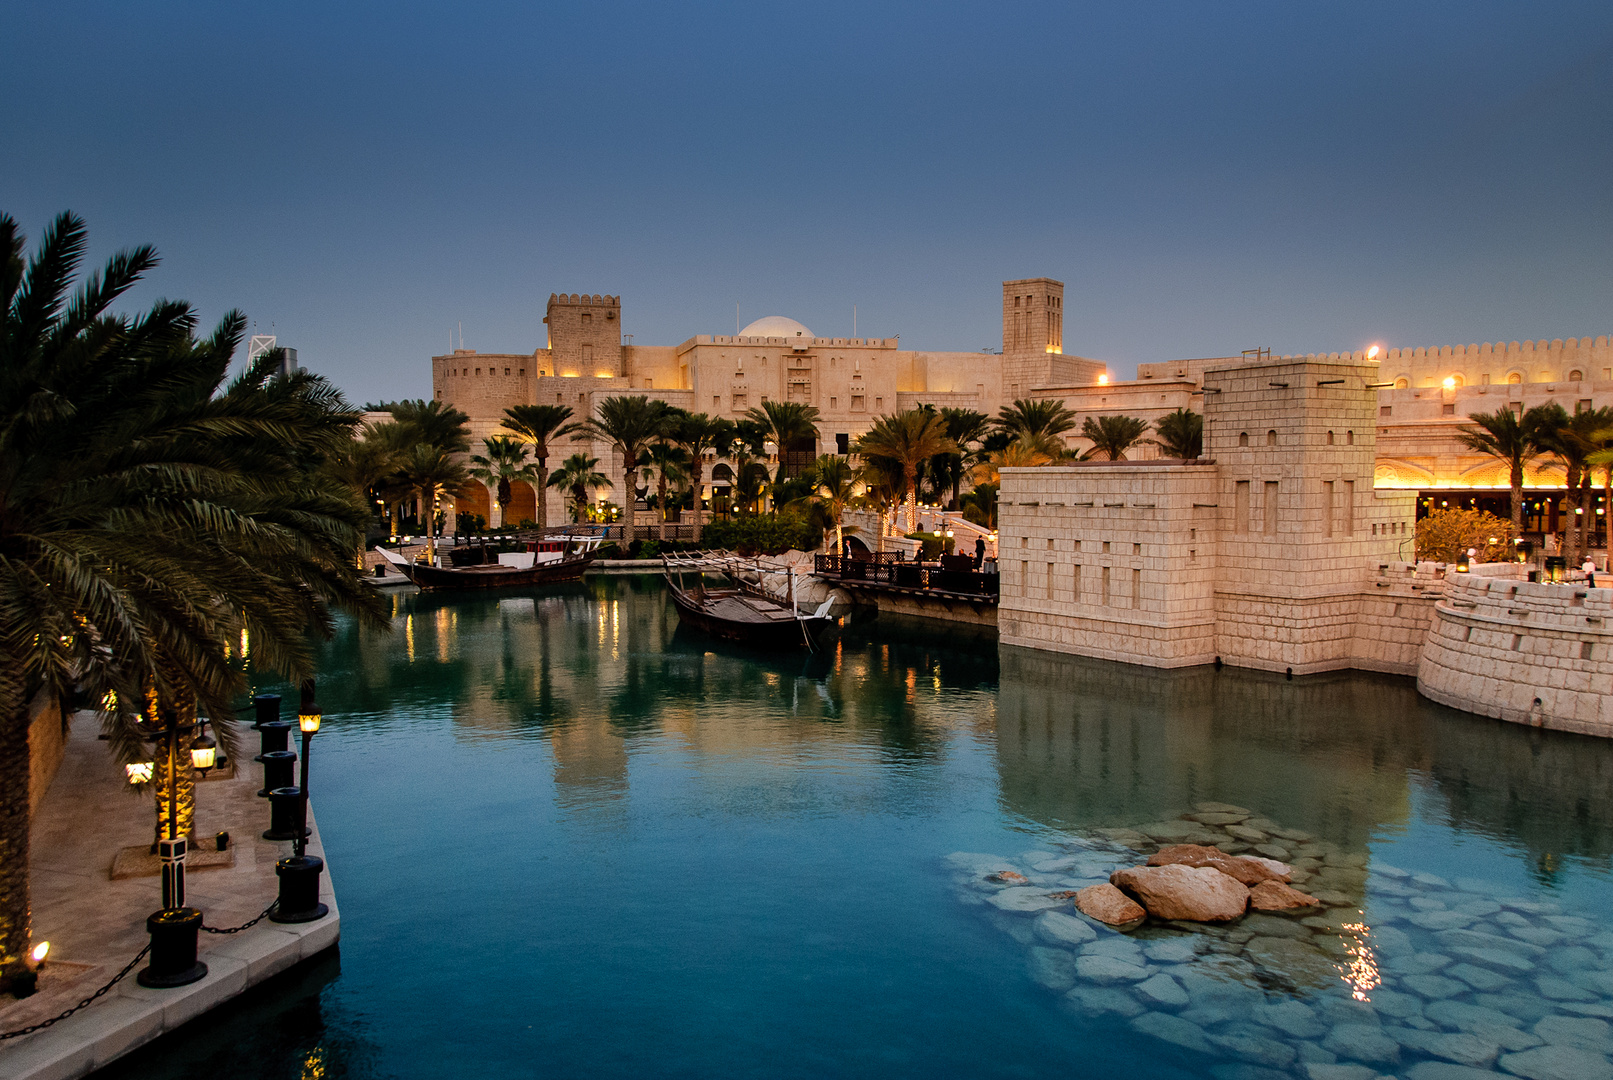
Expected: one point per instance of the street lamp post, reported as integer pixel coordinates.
(299, 875)
(175, 928)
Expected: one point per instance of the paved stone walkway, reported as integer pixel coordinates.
(95, 925)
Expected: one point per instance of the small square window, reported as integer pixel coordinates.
(1385, 410)
(1448, 409)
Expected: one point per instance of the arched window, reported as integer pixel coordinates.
(1349, 438)
(722, 474)
(1271, 438)
(1402, 383)
(1330, 438)
(1243, 438)
(1576, 376)
(1514, 378)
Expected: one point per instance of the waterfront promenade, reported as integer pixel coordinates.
(95, 923)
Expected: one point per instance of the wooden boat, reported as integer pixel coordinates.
(565, 560)
(740, 612)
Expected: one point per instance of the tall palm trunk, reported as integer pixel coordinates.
(1517, 497)
(660, 497)
(630, 510)
(16, 915)
(1587, 531)
(696, 467)
(912, 477)
(543, 486)
(1571, 533)
(175, 786)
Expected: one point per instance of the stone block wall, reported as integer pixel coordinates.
(1115, 560)
(585, 333)
(47, 743)
(1538, 654)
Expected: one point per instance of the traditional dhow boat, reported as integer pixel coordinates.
(741, 611)
(553, 559)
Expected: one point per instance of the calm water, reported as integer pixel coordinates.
(570, 838)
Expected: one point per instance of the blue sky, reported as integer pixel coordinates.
(1204, 177)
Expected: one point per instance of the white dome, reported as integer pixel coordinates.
(776, 326)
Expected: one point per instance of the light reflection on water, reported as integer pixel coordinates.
(570, 836)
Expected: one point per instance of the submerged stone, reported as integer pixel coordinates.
(1476, 977)
(1108, 970)
(1558, 1063)
(1253, 1047)
(1293, 1017)
(1097, 999)
(1585, 1032)
(1024, 898)
(1363, 1042)
(1053, 968)
(1060, 927)
(1163, 990)
(1173, 1029)
(1461, 1047)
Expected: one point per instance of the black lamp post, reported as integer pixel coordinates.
(299, 875)
(174, 929)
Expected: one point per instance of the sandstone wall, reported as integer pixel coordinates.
(1537, 654)
(1110, 560)
(47, 743)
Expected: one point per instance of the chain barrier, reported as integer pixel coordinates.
(141, 955)
(31, 1028)
(243, 926)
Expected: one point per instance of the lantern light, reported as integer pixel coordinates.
(203, 752)
(309, 721)
(41, 951)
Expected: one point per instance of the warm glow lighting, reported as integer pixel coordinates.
(41, 951)
(139, 772)
(308, 722)
(1450, 382)
(203, 752)
(1372, 353)
(1103, 380)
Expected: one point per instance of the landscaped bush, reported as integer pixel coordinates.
(762, 535)
(1445, 534)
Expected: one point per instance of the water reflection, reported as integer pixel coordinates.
(1086, 743)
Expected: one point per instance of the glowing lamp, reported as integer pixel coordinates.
(1450, 382)
(1461, 563)
(1103, 380)
(309, 721)
(41, 951)
(139, 772)
(203, 752)
(1372, 353)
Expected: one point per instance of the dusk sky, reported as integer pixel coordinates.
(1205, 178)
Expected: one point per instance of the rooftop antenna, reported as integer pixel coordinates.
(736, 319)
(461, 333)
(854, 320)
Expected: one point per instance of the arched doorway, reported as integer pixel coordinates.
(523, 504)
(473, 499)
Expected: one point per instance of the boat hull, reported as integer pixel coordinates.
(493, 576)
(782, 635)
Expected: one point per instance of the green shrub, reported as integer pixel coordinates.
(762, 535)
(935, 544)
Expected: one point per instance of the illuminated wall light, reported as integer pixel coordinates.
(41, 951)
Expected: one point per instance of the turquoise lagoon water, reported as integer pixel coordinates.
(572, 839)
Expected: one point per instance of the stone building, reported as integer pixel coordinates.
(1262, 554)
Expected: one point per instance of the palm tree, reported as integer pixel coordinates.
(834, 487)
(1181, 434)
(1112, 436)
(429, 423)
(1039, 419)
(700, 434)
(785, 423)
(669, 462)
(963, 426)
(1016, 455)
(1513, 440)
(750, 478)
(1572, 441)
(432, 473)
(148, 514)
(578, 475)
(364, 464)
(881, 479)
(538, 424)
(629, 424)
(504, 463)
(909, 439)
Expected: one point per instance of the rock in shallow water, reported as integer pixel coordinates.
(1461, 1047)
(1098, 999)
(1108, 970)
(1197, 893)
(1363, 1042)
(1173, 1029)
(1558, 1063)
(1163, 990)
(1066, 929)
(1445, 1070)
(1024, 898)
(1240, 868)
(1584, 1032)
(1109, 905)
(1053, 968)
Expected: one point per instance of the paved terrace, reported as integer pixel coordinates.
(96, 924)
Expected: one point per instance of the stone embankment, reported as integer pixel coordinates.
(1389, 973)
(1532, 653)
